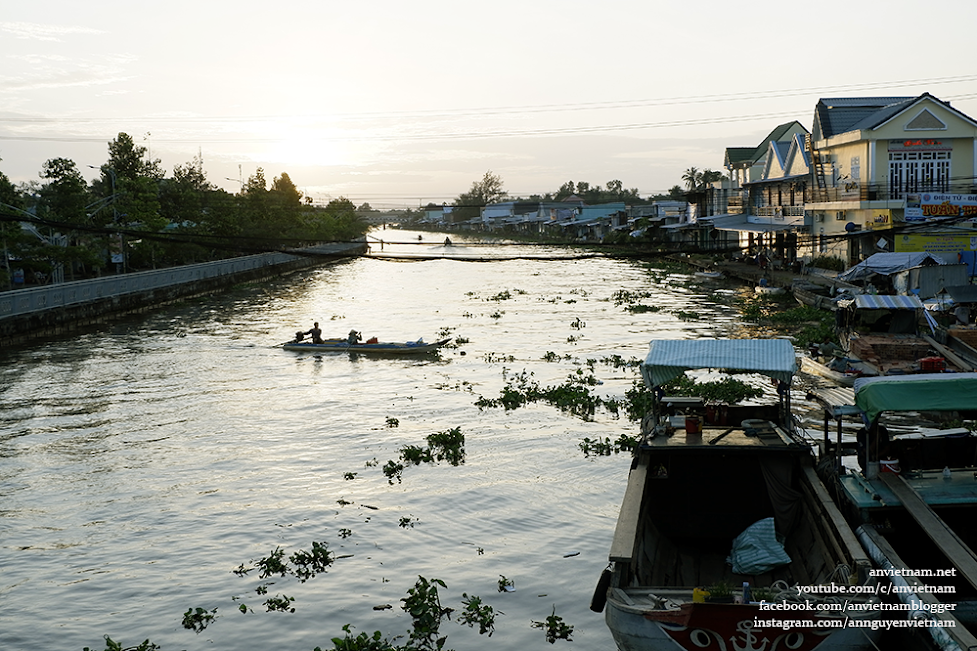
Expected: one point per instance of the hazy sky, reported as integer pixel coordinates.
(402, 103)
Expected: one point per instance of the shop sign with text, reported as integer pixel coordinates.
(931, 205)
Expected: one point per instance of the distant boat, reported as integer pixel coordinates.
(708, 275)
(369, 347)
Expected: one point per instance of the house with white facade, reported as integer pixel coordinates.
(880, 164)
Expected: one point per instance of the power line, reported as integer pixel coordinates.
(526, 108)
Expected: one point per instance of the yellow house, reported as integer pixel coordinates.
(879, 163)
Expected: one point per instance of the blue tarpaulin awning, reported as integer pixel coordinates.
(886, 264)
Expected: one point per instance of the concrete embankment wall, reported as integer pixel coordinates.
(55, 310)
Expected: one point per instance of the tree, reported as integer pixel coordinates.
(285, 192)
(135, 182)
(487, 191)
(692, 178)
(256, 183)
(709, 176)
(65, 195)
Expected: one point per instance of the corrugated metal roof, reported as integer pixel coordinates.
(837, 401)
(739, 223)
(887, 302)
(670, 358)
(963, 293)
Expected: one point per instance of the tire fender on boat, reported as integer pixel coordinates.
(600, 593)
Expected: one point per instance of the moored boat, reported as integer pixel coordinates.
(418, 347)
(726, 500)
(913, 497)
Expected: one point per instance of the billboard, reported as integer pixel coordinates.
(931, 205)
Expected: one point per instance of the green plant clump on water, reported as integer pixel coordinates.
(727, 390)
(112, 645)
(572, 396)
(555, 627)
(605, 447)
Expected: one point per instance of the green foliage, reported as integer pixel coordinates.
(624, 297)
(639, 400)
(555, 627)
(477, 613)
(309, 563)
(572, 396)
(448, 445)
(639, 308)
(112, 645)
(505, 584)
(828, 262)
(424, 606)
(281, 604)
(604, 447)
(486, 191)
(393, 470)
(197, 620)
(361, 642)
(727, 390)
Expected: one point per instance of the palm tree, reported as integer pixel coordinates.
(692, 178)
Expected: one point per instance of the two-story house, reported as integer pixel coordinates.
(880, 162)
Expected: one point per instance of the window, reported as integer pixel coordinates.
(918, 171)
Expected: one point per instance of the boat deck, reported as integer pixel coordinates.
(724, 436)
(960, 489)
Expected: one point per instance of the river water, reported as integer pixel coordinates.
(142, 462)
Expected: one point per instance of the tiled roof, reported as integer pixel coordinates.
(842, 114)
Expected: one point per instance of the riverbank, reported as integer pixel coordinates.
(58, 310)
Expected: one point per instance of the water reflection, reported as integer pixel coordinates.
(142, 462)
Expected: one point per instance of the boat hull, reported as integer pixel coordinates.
(727, 627)
(381, 348)
(814, 367)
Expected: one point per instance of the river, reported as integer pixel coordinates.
(143, 461)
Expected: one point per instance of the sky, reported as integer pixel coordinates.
(398, 104)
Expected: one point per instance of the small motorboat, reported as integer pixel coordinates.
(371, 346)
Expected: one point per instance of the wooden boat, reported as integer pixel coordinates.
(367, 348)
(768, 289)
(695, 494)
(811, 294)
(813, 366)
(708, 275)
(914, 497)
(882, 332)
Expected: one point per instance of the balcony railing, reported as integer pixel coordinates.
(778, 212)
(864, 192)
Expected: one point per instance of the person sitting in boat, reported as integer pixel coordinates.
(353, 338)
(314, 331)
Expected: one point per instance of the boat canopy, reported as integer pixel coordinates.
(919, 392)
(886, 264)
(887, 302)
(670, 358)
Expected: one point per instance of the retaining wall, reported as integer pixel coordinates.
(54, 310)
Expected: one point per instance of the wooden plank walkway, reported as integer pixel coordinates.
(959, 554)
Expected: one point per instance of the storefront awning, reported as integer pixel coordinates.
(740, 223)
